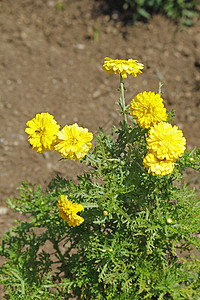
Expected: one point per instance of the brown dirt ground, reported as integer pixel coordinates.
(50, 60)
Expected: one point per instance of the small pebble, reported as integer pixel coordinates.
(3, 210)
(80, 46)
(96, 94)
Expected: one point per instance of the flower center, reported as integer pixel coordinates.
(40, 130)
(149, 110)
(73, 141)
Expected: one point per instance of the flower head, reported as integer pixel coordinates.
(165, 141)
(156, 166)
(42, 131)
(68, 211)
(123, 67)
(73, 142)
(148, 109)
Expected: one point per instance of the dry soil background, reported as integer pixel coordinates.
(50, 60)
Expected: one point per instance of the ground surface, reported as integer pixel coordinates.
(50, 60)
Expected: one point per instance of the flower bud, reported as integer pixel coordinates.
(169, 220)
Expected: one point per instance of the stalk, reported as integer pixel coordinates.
(122, 99)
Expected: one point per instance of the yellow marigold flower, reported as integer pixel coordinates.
(42, 131)
(148, 109)
(73, 142)
(123, 67)
(165, 141)
(68, 211)
(156, 166)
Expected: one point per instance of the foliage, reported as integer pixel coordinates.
(137, 240)
(182, 10)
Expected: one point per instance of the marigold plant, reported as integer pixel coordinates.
(148, 109)
(158, 167)
(127, 228)
(73, 142)
(122, 67)
(68, 211)
(166, 141)
(42, 131)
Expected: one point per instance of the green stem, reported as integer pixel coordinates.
(122, 99)
(62, 258)
(91, 158)
(160, 88)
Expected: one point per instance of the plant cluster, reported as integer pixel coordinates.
(182, 10)
(127, 229)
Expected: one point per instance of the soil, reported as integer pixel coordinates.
(50, 61)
